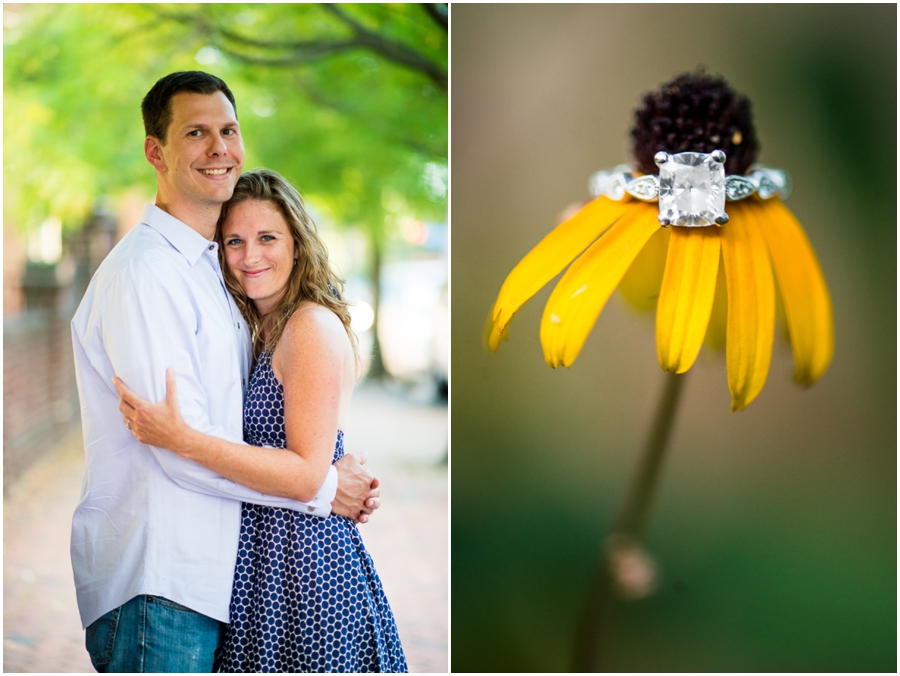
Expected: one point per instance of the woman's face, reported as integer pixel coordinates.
(259, 251)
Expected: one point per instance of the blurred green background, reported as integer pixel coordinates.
(775, 528)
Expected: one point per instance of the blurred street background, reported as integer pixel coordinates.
(349, 102)
(775, 528)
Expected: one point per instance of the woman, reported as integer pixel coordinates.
(306, 597)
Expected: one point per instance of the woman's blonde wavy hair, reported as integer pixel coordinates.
(311, 278)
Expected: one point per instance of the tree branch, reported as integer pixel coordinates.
(312, 48)
(390, 49)
(438, 12)
(301, 51)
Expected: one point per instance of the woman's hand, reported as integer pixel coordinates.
(159, 424)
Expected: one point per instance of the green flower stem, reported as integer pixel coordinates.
(632, 519)
(627, 532)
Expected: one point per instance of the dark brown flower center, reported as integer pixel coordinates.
(698, 113)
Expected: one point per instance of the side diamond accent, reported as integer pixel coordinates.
(644, 187)
(597, 183)
(771, 182)
(767, 187)
(610, 183)
(738, 187)
(615, 188)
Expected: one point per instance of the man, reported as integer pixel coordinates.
(155, 536)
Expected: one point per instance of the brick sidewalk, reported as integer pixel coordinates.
(408, 538)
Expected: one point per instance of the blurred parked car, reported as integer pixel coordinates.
(413, 320)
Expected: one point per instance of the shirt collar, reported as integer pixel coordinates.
(190, 243)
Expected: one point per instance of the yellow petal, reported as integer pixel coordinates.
(686, 296)
(807, 304)
(640, 285)
(493, 336)
(780, 317)
(582, 292)
(751, 305)
(550, 256)
(718, 319)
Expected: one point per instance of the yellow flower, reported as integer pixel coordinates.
(605, 237)
(704, 281)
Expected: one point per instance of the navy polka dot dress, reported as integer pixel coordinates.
(306, 596)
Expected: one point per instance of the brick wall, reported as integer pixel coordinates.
(40, 396)
(40, 399)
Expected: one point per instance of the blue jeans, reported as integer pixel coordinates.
(150, 634)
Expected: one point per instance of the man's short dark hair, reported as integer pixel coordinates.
(157, 105)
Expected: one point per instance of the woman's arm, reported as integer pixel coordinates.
(310, 361)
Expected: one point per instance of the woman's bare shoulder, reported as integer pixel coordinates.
(314, 326)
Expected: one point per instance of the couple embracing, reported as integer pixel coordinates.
(217, 527)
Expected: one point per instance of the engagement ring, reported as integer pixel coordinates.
(691, 187)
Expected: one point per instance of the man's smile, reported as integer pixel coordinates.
(218, 172)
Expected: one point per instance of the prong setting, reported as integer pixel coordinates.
(718, 156)
(722, 220)
(661, 158)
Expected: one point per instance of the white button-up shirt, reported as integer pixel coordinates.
(149, 521)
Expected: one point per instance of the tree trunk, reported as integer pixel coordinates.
(376, 367)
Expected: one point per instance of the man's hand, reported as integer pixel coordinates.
(357, 491)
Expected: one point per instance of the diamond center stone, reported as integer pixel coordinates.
(691, 189)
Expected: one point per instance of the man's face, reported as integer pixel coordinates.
(203, 154)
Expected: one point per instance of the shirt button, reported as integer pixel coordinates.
(211, 247)
(311, 509)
